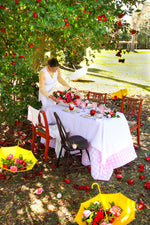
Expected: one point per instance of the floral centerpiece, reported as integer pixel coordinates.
(15, 164)
(110, 113)
(96, 215)
(66, 96)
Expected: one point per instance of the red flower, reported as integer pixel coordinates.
(141, 165)
(141, 124)
(83, 11)
(5, 54)
(121, 16)
(5, 166)
(21, 57)
(39, 0)
(2, 7)
(147, 158)
(16, 2)
(3, 30)
(31, 45)
(141, 170)
(77, 18)
(133, 31)
(140, 206)
(89, 12)
(130, 181)
(67, 24)
(119, 23)
(147, 185)
(64, 40)
(99, 216)
(142, 177)
(13, 63)
(35, 15)
(67, 180)
(99, 18)
(65, 20)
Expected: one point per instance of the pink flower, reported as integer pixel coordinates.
(17, 160)
(119, 176)
(10, 156)
(59, 195)
(116, 211)
(13, 168)
(87, 213)
(111, 113)
(39, 191)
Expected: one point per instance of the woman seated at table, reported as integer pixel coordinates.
(48, 77)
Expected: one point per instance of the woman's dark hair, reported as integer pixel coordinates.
(53, 62)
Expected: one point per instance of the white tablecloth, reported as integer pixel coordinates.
(110, 141)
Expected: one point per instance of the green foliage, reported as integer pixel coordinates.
(30, 28)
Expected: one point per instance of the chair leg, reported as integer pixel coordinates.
(46, 149)
(88, 154)
(138, 136)
(57, 164)
(33, 138)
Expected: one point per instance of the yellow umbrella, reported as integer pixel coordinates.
(120, 200)
(119, 94)
(16, 152)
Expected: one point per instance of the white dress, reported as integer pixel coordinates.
(49, 84)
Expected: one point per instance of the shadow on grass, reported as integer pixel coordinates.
(95, 72)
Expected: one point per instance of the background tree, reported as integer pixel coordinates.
(31, 28)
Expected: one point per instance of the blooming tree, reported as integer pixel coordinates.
(29, 28)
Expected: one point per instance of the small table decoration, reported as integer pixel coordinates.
(68, 96)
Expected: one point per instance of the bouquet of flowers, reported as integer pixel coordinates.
(66, 96)
(110, 113)
(96, 215)
(15, 164)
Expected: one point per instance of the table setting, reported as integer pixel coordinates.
(107, 131)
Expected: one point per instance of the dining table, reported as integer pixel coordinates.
(110, 141)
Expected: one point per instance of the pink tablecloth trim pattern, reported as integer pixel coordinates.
(104, 172)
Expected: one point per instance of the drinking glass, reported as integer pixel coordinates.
(83, 105)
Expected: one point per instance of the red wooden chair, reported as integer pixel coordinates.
(100, 98)
(132, 107)
(40, 127)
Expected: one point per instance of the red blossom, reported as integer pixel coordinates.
(89, 12)
(119, 23)
(5, 54)
(21, 57)
(141, 165)
(35, 15)
(3, 30)
(133, 31)
(2, 7)
(39, 0)
(142, 177)
(13, 63)
(121, 16)
(64, 40)
(141, 124)
(147, 185)
(141, 170)
(147, 158)
(31, 45)
(130, 181)
(83, 11)
(16, 2)
(65, 20)
(117, 172)
(67, 180)
(67, 24)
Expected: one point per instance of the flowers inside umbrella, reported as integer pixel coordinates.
(16, 159)
(116, 209)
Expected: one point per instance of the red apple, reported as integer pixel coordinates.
(92, 112)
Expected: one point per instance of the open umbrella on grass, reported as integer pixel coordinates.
(16, 159)
(108, 213)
